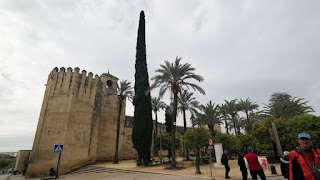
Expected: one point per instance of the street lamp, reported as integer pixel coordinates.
(160, 145)
(196, 146)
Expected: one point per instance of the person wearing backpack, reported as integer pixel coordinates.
(304, 161)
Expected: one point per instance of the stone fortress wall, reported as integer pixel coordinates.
(80, 112)
(22, 160)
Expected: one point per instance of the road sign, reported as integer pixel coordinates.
(210, 142)
(57, 148)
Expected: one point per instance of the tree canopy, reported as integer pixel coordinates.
(304, 123)
(165, 142)
(201, 138)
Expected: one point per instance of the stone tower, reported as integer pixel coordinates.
(79, 111)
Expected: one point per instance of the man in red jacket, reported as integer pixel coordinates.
(254, 165)
(304, 158)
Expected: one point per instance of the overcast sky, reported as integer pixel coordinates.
(243, 49)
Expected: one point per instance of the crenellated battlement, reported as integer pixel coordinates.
(62, 73)
(71, 81)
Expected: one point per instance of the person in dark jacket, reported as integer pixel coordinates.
(243, 167)
(304, 158)
(224, 161)
(285, 164)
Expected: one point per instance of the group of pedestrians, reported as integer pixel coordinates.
(251, 161)
(302, 163)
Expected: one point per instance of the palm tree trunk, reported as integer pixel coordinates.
(155, 152)
(238, 129)
(248, 125)
(156, 123)
(185, 149)
(173, 130)
(211, 127)
(184, 131)
(115, 161)
(235, 127)
(225, 121)
(184, 120)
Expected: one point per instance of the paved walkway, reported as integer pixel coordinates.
(127, 170)
(189, 170)
(4, 176)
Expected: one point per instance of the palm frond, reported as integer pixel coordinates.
(124, 90)
(157, 104)
(175, 76)
(283, 105)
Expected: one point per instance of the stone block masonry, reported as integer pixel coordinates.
(22, 160)
(79, 111)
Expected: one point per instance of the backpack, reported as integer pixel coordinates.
(223, 159)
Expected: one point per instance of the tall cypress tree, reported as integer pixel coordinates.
(142, 125)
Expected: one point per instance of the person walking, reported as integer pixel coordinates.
(242, 165)
(224, 161)
(304, 160)
(254, 165)
(284, 164)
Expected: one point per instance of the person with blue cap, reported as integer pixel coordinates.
(304, 160)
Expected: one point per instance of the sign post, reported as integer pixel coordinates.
(210, 147)
(58, 148)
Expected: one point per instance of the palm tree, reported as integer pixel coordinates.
(238, 123)
(157, 104)
(224, 116)
(283, 105)
(210, 116)
(186, 102)
(254, 117)
(247, 106)
(123, 91)
(175, 76)
(232, 108)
